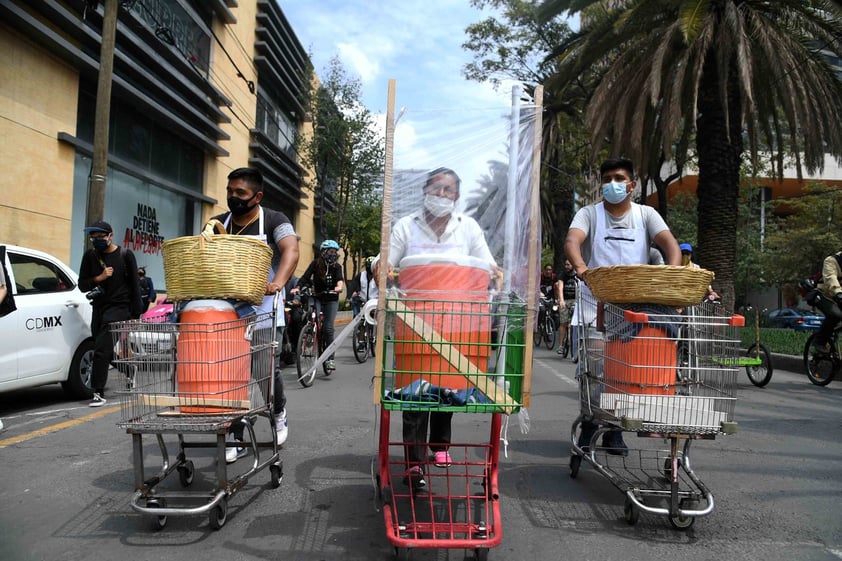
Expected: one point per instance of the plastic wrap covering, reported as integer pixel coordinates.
(461, 239)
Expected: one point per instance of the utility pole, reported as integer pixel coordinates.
(99, 165)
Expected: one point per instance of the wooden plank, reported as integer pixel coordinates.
(533, 265)
(385, 238)
(192, 401)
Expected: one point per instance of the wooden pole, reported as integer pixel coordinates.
(385, 235)
(534, 241)
(99, 164)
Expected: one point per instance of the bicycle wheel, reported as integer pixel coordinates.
(549, 332)
(759, 374)
(359, 340)
(537, 336)
(306, 355)
(821, 369)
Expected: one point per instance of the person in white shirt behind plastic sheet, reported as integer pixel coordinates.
(434, 229)
(614, 231)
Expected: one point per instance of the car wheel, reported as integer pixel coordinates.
(78, 384)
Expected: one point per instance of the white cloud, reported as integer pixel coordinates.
(358, 62)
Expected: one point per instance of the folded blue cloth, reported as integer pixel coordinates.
(422, 393)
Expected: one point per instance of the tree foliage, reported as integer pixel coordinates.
(727, 72)
(347, 153)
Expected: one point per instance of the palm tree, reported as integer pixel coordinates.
(730, 72)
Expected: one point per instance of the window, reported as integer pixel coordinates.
(36, 276)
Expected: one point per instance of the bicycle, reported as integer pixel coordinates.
(363, 340)
(565, 345)
(757, 360)
(545, 326)
(310, 344)
(821, 368)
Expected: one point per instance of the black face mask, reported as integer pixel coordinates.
(239, 207)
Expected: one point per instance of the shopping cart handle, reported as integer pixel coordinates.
(636, 317)
(737, 321)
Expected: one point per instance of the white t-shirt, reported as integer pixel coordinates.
(585, 220)
(411, 235)
(368, 289)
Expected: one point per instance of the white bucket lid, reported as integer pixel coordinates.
(444, 259)
(217, 305)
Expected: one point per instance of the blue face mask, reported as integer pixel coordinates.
(614, 192)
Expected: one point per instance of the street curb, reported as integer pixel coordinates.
(790, 363)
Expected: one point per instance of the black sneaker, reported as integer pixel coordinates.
(821, 349)
(415, 478)
(585, 436)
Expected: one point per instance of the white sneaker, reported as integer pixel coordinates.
(234, 453)
(97, 400)
(1, 424)
(281, 428)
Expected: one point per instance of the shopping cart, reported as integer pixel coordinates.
(443, 355)
(191, 379)
(660, 373)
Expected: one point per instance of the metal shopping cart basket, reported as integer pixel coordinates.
(191, 379)
(662, 373)
(443, 356)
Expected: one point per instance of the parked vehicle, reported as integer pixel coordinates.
(48, 338)
(793, 318)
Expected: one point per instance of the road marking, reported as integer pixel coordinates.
(57, 427)
(555, 372)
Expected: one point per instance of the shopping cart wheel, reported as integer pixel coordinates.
(630, 512)
(276, 475)
(481, 554)
(680, 522)
(160, 521)
(185, 473)
(575, 464)
(219, 514)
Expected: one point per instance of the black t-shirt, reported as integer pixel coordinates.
(568, 290)
(276, 226)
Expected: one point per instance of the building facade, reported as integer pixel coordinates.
(200, 87)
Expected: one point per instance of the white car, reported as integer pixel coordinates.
(48, 338)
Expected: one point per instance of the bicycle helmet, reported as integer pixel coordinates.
(329, 244)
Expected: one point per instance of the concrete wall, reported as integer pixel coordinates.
(38, 95)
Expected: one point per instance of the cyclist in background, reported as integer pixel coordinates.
(565, 292)
(368, 284)
(324, 274)
(830, 302)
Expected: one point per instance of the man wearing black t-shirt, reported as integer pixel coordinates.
(247, 218)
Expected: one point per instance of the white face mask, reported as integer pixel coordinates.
(439, 206)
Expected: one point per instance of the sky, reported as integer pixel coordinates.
(416, 42)
(419, 44)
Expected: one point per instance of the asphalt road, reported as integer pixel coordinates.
(67, 480)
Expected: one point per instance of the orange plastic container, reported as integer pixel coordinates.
(644, 365)
(213, 358)
(450, 293)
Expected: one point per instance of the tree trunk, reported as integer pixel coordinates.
(719, 146)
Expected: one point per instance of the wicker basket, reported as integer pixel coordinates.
(216, 266)
(649, 284)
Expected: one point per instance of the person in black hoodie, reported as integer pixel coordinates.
(108, 274)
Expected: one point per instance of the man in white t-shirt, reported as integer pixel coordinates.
(614, 231)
